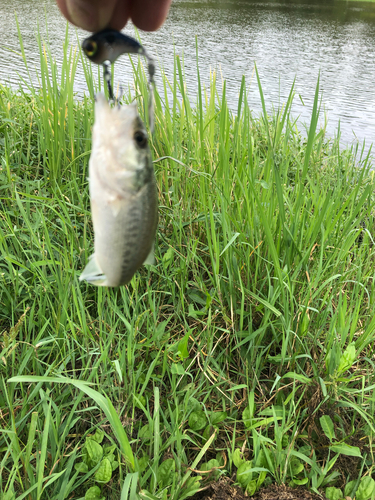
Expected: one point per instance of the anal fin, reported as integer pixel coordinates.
(92, 273)
(150, 259)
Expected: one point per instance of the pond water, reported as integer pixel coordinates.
(286, 39)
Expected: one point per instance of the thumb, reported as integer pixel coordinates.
(90, 15)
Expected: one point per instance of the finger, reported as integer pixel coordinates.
(90, 15)
(121, 15)
(62, 6)
(149, 15)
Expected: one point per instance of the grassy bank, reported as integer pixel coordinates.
(245, 352)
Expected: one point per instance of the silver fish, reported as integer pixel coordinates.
(123, 196)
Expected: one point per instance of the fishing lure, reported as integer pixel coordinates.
(106, 46)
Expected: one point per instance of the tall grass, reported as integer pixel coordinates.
(249, 343)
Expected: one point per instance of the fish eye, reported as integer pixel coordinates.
(90, 48)
(140, 138)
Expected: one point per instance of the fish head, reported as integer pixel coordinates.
(121, 154)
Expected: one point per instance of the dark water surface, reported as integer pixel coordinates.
(286, 39)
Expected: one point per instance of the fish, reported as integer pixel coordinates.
(123, 196)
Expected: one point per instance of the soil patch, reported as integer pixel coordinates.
(222, 490)
(284, 492)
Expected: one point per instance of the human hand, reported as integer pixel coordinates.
(95, 15)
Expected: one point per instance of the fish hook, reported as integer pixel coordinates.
(107, 78)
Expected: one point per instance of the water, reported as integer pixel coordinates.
(286, 40)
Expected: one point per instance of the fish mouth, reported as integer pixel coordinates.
(100, 97)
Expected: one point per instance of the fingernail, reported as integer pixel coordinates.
(83, 14)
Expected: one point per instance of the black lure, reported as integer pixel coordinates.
(107, 45)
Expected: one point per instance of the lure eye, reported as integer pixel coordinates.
(140, 139)
(90, 48)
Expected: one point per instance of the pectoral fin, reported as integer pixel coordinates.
(92, 273)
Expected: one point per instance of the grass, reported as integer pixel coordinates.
(246, 352)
